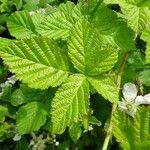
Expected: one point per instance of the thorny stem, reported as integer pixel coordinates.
(114, 107)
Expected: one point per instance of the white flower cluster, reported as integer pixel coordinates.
(131, 100)
(56, 142)
(41, 10)
(10, 81)
(38, 142)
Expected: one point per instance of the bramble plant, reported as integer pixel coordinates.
(75, 75)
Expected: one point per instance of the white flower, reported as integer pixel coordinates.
(17, 137)
(131, 101)
(56, 143)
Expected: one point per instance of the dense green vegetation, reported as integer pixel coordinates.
(74, 75)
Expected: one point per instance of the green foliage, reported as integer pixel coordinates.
(144, 77)
(69, 63)
(5, 131)
(84, 47)
(4, 42)
(136, 12)
(75, 132)
(3, 112)
(145, 37)
(70, 104)
(35, 59)
(21, 25)
(106, 87)
(133, 133)
(58, 24)
(31, 117)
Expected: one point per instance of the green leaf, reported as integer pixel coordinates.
(105, 86)
(87, 51)
(106, 20)
(143, 77)
(75, 132)
(21, 25)
(34, 94)
(3, 112)
(70, 104)
(5, 131)
(31, 117)
(17, 98)
(138, 17)
(37, 61)
(124, 37)
(58, 24)
(136, 12)
(37, 18)
(109, 23)
(5, 42)
(146, 37)
(133, 133)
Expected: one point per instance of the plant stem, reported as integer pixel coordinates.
(114, 107)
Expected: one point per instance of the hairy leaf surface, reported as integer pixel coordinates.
(5, 42)
(37, 61)
(58, 24)
(20, 25)
(105, 86)
(87, 51)
(70, 103)
(133, 133)
(137, 12)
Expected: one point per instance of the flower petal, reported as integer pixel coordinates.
(122, 106)
(17, 137)
(139, 100)
(129, 91)
(146, 99)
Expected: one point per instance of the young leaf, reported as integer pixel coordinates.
(106, 87)
(87, 51)
(37, 61)
(133, 133)
(31, 117)
(75, 132)
(70, 103)
(21, 25)
(58, 24)
(17, 98)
